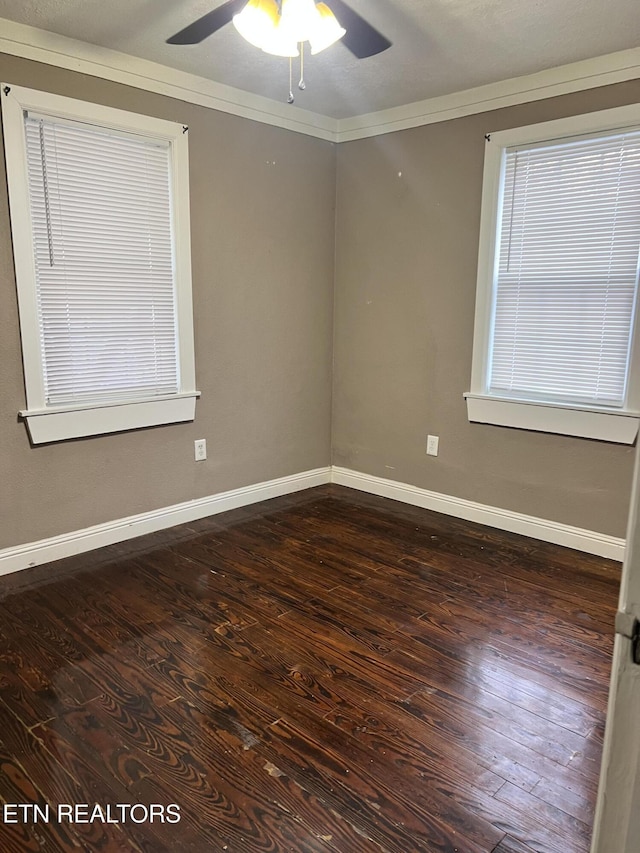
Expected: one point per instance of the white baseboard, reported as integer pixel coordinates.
(79, 541)
(504, 519)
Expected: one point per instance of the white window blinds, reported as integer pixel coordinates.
(101, 216)
(567, 271)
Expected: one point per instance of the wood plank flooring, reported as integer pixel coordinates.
(328, 671)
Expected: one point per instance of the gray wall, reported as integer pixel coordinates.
(263, 277)
(263, 270)
(406, 261)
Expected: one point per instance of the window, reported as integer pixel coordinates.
(100, 225)
(558, 278)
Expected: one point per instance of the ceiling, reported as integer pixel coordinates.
(439, 46)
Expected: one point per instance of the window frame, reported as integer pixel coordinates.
(614, 424)
(50, 423)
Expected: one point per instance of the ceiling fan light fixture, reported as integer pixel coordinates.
(299, 19)
(279, 43)
(257, 21)
(328, 30)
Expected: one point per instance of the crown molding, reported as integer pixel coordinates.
(575, 77)
(39, 45)
(52, 49)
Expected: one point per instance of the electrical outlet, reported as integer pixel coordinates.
(432, 445)
(200, 445)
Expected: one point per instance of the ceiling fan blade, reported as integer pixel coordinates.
(208, 24)
(361, 38)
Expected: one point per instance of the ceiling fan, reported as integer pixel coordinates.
(357, 34)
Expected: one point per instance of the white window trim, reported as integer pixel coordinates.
(619, 425)
(56, 423)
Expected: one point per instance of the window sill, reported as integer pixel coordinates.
(49, 425)
(600, 424)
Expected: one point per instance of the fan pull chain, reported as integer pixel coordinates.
(290, 99)
(302, 85)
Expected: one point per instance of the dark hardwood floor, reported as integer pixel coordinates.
(328, 671)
